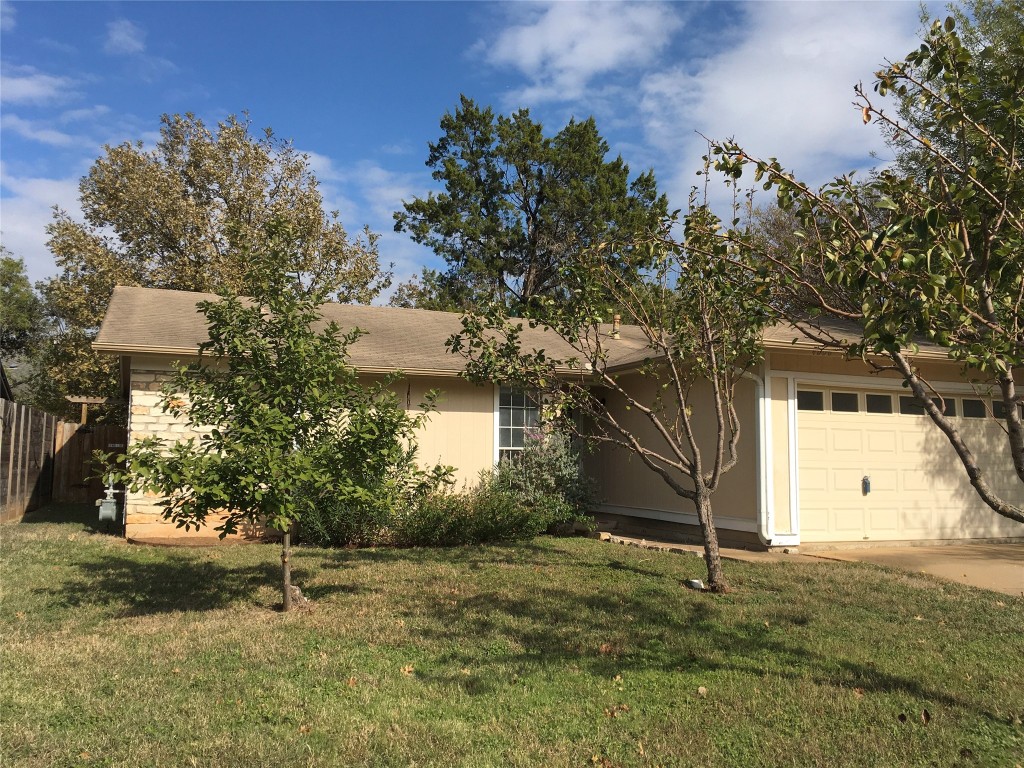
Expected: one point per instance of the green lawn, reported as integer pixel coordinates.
(555, 652)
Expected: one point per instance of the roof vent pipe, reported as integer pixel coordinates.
(616, 324)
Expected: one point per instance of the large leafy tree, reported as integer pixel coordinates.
(283, 421)
(701, 334)
(518, 205)
(21, 315)
(930, 249)
(186, 215)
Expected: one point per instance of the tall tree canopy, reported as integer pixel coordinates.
(931, 249)
(517, 205)
(186, 215)
(21, 315)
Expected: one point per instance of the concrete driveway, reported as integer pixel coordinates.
(999, 567)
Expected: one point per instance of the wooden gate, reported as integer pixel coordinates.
(75, 476)
(26, 458)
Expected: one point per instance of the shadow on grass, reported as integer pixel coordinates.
(593, 611)
(83, 516)
(635, 619)
(177, 582)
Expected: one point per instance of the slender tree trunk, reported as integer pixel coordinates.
(712, 557)
(286, 569)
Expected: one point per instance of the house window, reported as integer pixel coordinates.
(911, 406)
(845, 402)
(999, 409)
(950, 405)
(518, 412)
(879, 403)
(974, 409)
(809, 400)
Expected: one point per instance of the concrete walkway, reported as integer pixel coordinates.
(999, 567)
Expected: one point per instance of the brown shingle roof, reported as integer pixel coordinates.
(152, 320)
(159, 321)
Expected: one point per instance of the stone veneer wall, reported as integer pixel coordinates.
(143, 515)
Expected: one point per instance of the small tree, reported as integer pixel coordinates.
(928, 251)
(701, 335)
(283, 419)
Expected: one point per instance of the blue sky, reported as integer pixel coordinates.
(361, 87)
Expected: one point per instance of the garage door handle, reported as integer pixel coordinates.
(865, 485)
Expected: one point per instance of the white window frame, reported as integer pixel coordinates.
(499, 449)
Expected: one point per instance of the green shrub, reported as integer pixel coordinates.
(547, 474)
(520, 499)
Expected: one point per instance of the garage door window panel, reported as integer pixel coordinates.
(810, 400)
(879, 403)
(845, 402)
(911, 406)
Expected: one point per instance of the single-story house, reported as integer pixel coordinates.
(833, 453)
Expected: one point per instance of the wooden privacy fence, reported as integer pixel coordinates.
(74, 478)
(27, 443)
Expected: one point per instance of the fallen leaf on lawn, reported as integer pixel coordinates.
(616, 710)
(176, 671)
(20, 615)
(1000, 603)
(408, 669)
(84, 755)
(352, 682)
(858, 692)
(766, 623)
(919, 617)
(464, 670)
(702, 691)
(926, 716)
(640, 748)
(605, 648)
(617, 678)
(305, 728)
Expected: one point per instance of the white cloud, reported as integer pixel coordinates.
(7, 16)
(27, 207)
(562, 46)
(35, 131)
(124, 38)
(27, 85)
(84, 114)
(784, 89)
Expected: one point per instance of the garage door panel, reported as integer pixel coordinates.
(848, 520)
(884, 519)
(919, 489)
(813, 479)
(813, 440)
(912, 442)
(813, 520)
(884, 480)
(916, 519)
(882, 441)
(847, 440)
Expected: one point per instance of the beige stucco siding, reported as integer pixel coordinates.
(459, 433)
(628, 486)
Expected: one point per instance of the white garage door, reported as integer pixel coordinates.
(873, 467)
